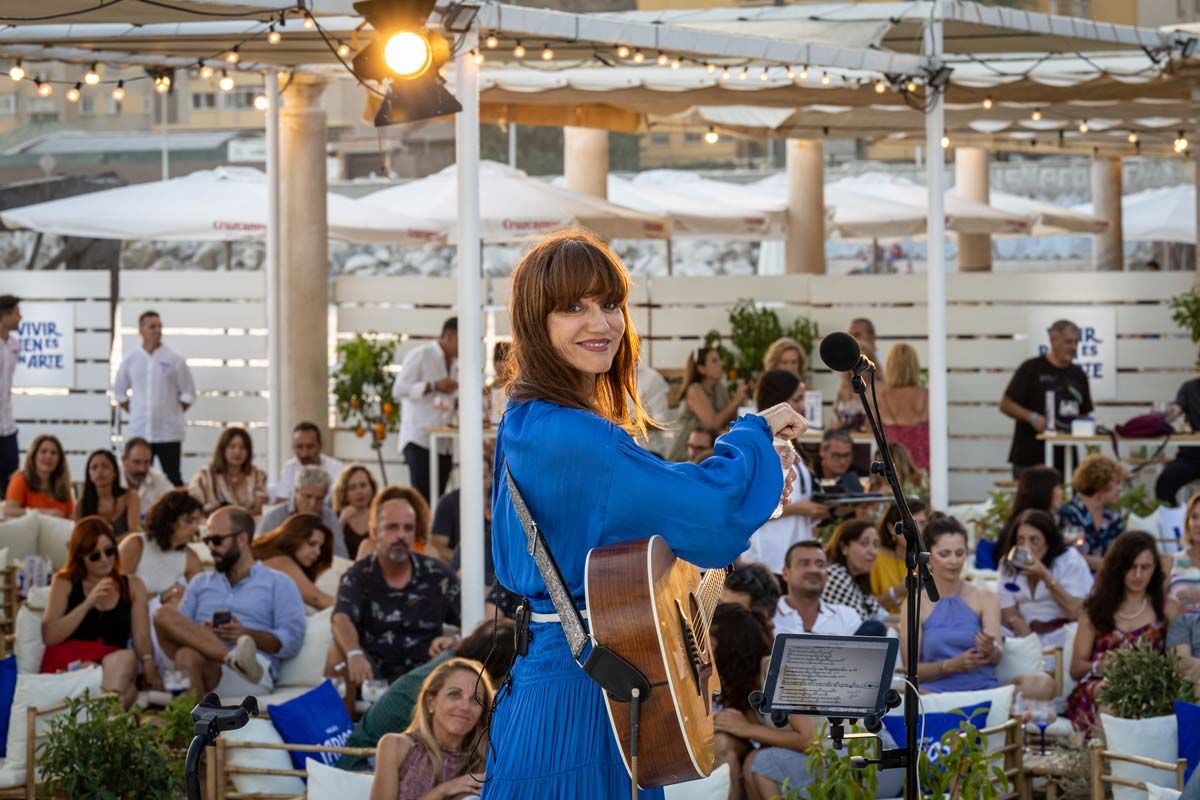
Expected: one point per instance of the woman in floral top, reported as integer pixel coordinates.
(1090, 520)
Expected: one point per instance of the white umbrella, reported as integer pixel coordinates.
(1048, 219)
(858, 214)
(513, 206)
(1157, 215)
(223, 204)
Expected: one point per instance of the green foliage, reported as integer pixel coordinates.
(176, 727)
(833, 776)
(991, 523)
(1136, 501)
(1141, 682)
(96, 751)
(753, 329)
(362, 387)
(964, 768)
(1185, 311)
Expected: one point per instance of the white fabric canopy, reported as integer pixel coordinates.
(1048, 219)
(224, 204)
(513, 206)
(1157, 215)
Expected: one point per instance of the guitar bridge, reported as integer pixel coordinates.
(691, 647)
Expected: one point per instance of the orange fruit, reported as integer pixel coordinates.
(388, 408)
(380, 431)
(360, 431)
(354, 402)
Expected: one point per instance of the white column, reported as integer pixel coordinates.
(805, 242)
(271, 266)
(585, 160)
(935, 127)
(304, 247)
(1196, 185)
(971, 180)
(470, 337)
(1108, 251)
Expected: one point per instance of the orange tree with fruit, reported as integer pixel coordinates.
(362, 390)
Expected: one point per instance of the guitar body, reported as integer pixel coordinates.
(651, 609)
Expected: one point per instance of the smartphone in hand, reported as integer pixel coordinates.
(223, 617)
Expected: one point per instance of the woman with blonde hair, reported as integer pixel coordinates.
(1090, 519)
(785, 353)
(302, 549)
(1184, 583)
(904, 403)
(43, 483)
(441, 753)
(703, 399)
(352, 494)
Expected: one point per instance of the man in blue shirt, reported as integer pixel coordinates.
(233, 626)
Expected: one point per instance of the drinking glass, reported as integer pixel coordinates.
(373, 690)
(1042, 713)
(1017, 558)
(787, 459)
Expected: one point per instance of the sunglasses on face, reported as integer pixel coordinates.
(213, 541)
(108, 552)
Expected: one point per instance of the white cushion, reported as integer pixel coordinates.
(1000, 697)
(307, 668)
(1154, 737)
(262, 731)
(54, 534)
(1162, 793)
(1022, 656)
(328, 580)
(1068, 654)
(714, 787)
(28, 645)
(331, 783)
(20, 535)
(43, 691)
(10, 777)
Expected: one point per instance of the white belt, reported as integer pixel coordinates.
(536, 617)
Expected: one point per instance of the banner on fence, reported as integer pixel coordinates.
(1097, 353)
(47, 337)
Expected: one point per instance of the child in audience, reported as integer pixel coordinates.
(105, 497)
(445, 747)
(302, 549)
(44, 481)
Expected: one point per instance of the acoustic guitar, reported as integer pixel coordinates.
(654, 610)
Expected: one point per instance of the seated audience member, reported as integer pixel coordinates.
(786, 354)
(741, 645)
(149, 483)
(961, 641)
(801, 515)
(655, 395)
(94, 611)
(754, 588)
(904, 404)
(160, 557)
(1039, 487)
(43, 483)
(890, 570)
(804, 610)
(1092, 513)
(1052, 581)
(913, 480)
(306, 450)
(1128, 607)
(105, 497)
(833, 462)
(1185, 467)
(700, 444)
(848, 412)
(231, 479)
(851, 554)
(490, 644)
(445, 533)
(1184, 583)
(703, 399)
(443, 751)
(421, 523)
(352, 493)
(301, 548)
(312, 486)
(236, 624)
(1183, 637)
(392, 604)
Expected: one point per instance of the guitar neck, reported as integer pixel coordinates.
(708, 593)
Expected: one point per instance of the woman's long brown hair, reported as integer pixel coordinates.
(560, 270)
(290, 537)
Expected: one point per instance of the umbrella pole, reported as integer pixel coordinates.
(670, 256)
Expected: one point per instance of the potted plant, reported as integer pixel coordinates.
(362, 389)
(1185, 311)
(1141, 682)
(752, 330)
(96, 749)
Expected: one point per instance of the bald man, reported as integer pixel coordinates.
(233, 626)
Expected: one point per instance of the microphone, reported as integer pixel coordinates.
(841, 353)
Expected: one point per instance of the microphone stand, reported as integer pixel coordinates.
(916, 559)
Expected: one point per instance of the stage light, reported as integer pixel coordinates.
(711, 136)
(118, 93)
(274, 36)
(17, 72)
(408, 54)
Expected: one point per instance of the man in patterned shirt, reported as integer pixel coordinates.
(392, 604)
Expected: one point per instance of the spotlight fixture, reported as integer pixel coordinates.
(491, 42)
(73, 93)
(518, 50)
(622, 51)
(711, 136)
(274, 36)
(226, 82)
(17, 72)
(118, 93)
(661, 59)
(547, 53)
(233, 56)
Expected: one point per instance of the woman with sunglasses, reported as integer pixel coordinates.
(94, 611)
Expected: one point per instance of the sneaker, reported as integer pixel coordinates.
(243, 658)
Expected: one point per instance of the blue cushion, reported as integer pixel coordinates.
(316, 717)
(936, 724)
(985, 554)
(1187, 716)
(8, 688)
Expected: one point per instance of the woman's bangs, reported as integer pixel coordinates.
(579, 270)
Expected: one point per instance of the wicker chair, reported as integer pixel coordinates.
(1102, 759)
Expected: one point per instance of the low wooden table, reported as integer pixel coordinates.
(1054, 764)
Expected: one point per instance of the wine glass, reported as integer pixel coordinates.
(1017, 558)
(1041, 713)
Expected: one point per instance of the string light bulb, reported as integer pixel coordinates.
(260, 102)
(764, 75)
(987, 103)
(43, 89)
(206, 72)
(676, 63)
(711, 136)
(825, 79)
(945, 142)
(309, 21)
(880, 87)
(661, 59)
(710, 68)
(491, 42)
(91, 77)
(226, 82)
(911, 86)
(17, 72)
(118, 93)
(1083, 127)
(1181, 143)
(343, 50)
(233, 56)
(726, 74)
(162, 84)
(518, 50)
(622, 51)
(73, 93)
(791, 73)
(1036, 116)
(1133, 138)
(547, 53)
(274, 36)
(477, 56)
(804, 72)
(638, 56)
(745, 73)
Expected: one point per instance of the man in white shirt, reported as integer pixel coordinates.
(162, 390)
(802, 610)
(10, 353)
(425, 389)
(150, 484)
(306, 452)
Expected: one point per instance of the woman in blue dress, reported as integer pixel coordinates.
(567, 438)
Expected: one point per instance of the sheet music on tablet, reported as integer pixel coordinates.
(830, 676)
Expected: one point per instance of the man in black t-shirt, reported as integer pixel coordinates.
(1025, 398)
(1186, 466)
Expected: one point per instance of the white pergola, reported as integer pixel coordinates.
(890, 42)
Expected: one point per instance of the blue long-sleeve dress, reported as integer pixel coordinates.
(588, 484)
